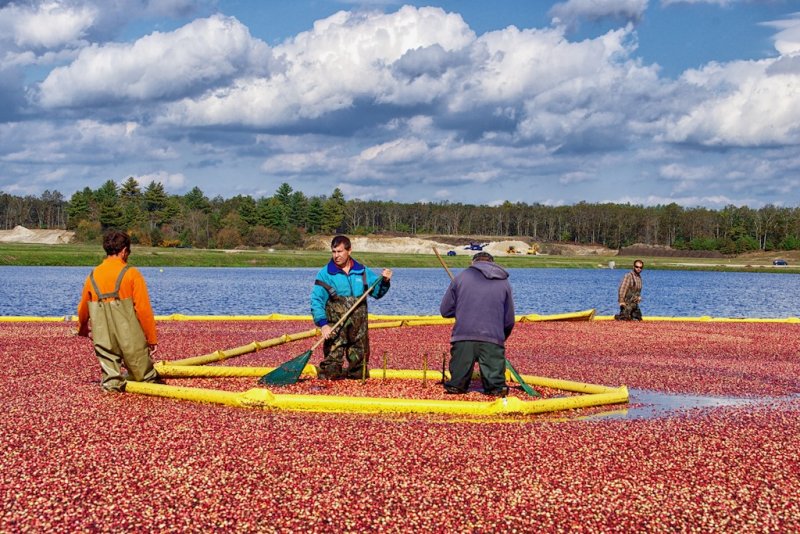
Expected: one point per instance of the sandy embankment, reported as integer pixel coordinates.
(20, 234)
(389, 245)
(416, 245)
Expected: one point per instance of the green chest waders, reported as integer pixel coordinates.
(118, 337)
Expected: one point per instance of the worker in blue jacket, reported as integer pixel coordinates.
(336, 289)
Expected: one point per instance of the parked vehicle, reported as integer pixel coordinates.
(780, 263)
(473, 245)
(451, 252)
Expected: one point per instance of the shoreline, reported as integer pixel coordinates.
(79, 255)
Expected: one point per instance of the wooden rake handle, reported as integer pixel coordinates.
(443, 263)
(346, 314)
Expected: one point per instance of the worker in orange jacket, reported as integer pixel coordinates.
(123, 328)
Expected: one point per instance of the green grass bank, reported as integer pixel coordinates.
(19, 254)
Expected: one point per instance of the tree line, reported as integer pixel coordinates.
(154, 217)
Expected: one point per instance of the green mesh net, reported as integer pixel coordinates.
(287, 373)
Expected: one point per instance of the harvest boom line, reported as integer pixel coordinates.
(591, 394)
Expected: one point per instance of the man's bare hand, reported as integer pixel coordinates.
(387, 274)
(326, 331)
(153, 348)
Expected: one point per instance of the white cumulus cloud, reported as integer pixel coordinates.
(299, 162)
(396, 151)
(787, 40)
(172, 182)
(200, 55)
(46, 24)
(744, 106)
(345, 59)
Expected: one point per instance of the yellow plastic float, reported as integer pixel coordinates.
(197, 366)
(592, 394)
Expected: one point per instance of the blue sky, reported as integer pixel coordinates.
(641, 101)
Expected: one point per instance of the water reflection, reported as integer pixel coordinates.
(645, 404)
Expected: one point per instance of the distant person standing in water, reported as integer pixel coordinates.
(123, 328)
(630, 294)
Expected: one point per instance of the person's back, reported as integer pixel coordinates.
(482, 304)
(115, 302)
(132, 287)
(480, 299)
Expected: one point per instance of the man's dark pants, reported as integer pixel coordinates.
(491, 360)
(629, 312)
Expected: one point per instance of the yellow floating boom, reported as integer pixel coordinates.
(265, 399)
(169, 370)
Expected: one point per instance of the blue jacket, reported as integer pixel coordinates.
(480, 299)
(345, 285)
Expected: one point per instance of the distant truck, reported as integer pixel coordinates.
(474, 245)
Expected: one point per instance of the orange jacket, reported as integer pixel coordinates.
(133, 286)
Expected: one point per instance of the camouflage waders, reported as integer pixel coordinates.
(350, 340)
(119, 339)
(630, 311)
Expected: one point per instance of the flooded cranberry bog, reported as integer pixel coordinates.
(709, 440)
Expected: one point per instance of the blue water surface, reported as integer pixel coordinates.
(54, 291)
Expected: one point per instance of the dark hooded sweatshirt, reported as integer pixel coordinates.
(480, 299)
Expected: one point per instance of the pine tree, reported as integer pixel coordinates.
(131, 202)
(333, 212)
(107, 193)
(155, 200)
(274, 214)
(247, 210)
(107, 196)
(284, 194)
(315, 215)
(196, 200)
(298, 209)
(130, 190)
(79, 207)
